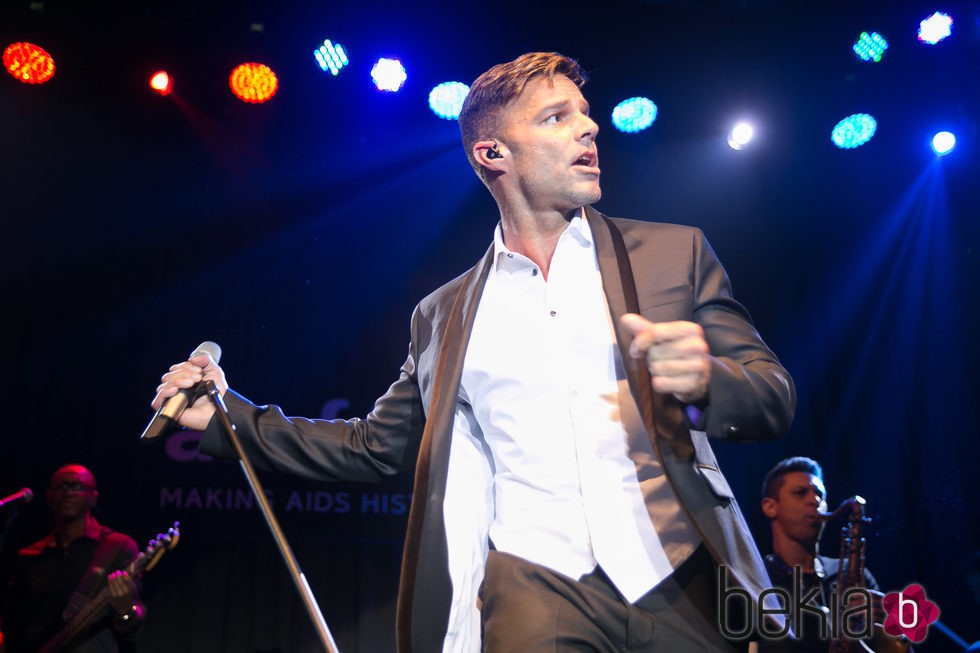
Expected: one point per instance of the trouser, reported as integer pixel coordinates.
(527, 608)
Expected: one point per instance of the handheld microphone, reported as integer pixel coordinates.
(24, 495)
(171, 409)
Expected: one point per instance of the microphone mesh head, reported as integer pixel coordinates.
(210, 348)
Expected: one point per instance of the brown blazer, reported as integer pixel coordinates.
(665, 272)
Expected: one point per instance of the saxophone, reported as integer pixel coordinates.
(850, 577)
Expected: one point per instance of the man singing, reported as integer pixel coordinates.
(560, 395)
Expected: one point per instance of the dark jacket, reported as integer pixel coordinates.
(664, 272)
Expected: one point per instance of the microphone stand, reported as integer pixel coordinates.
(309, 602)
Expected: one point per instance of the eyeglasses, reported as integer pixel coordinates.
(73, 486)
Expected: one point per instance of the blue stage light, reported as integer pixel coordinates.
(331, 57)
(388, 74)
(446, 99)
(634, 115)
(870, 47)
(740, 135)
(935, 28)
(943, 143)
(854, 131)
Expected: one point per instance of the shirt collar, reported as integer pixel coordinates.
(93, 531)
(578, 228)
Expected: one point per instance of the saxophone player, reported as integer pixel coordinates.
(794, 500)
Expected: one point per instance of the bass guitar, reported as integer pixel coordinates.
(95, 606)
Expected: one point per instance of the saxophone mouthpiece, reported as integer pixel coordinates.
(850, 504)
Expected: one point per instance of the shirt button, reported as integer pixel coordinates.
(553, 313)
(534, 272)
(509, 255)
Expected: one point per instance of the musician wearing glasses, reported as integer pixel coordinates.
(794, 500)
(56, 580)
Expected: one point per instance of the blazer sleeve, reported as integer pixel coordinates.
(750, 395)
(382, 444)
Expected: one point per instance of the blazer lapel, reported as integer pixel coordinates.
(620, 289)
(449, 365)
(661, 415)
(425, 540)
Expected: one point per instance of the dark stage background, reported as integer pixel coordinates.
(299, 234)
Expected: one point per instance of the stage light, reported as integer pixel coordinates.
(740, 135)
(634, 115)
(253, 82)
(161, 82)
(943, 143)
(28, 63)
(870, 47)
(388, 74)
(331, 57)
(446, 99)
(854, 131)
(935, 28)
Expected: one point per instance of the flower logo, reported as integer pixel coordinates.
(909, 613)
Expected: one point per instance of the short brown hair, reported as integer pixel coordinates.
(775, 478)
(495, 88)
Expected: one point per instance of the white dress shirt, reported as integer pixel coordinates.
(544, 399)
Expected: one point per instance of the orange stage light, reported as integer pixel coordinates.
(28, 63)
(253, 82)
(161, 82)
